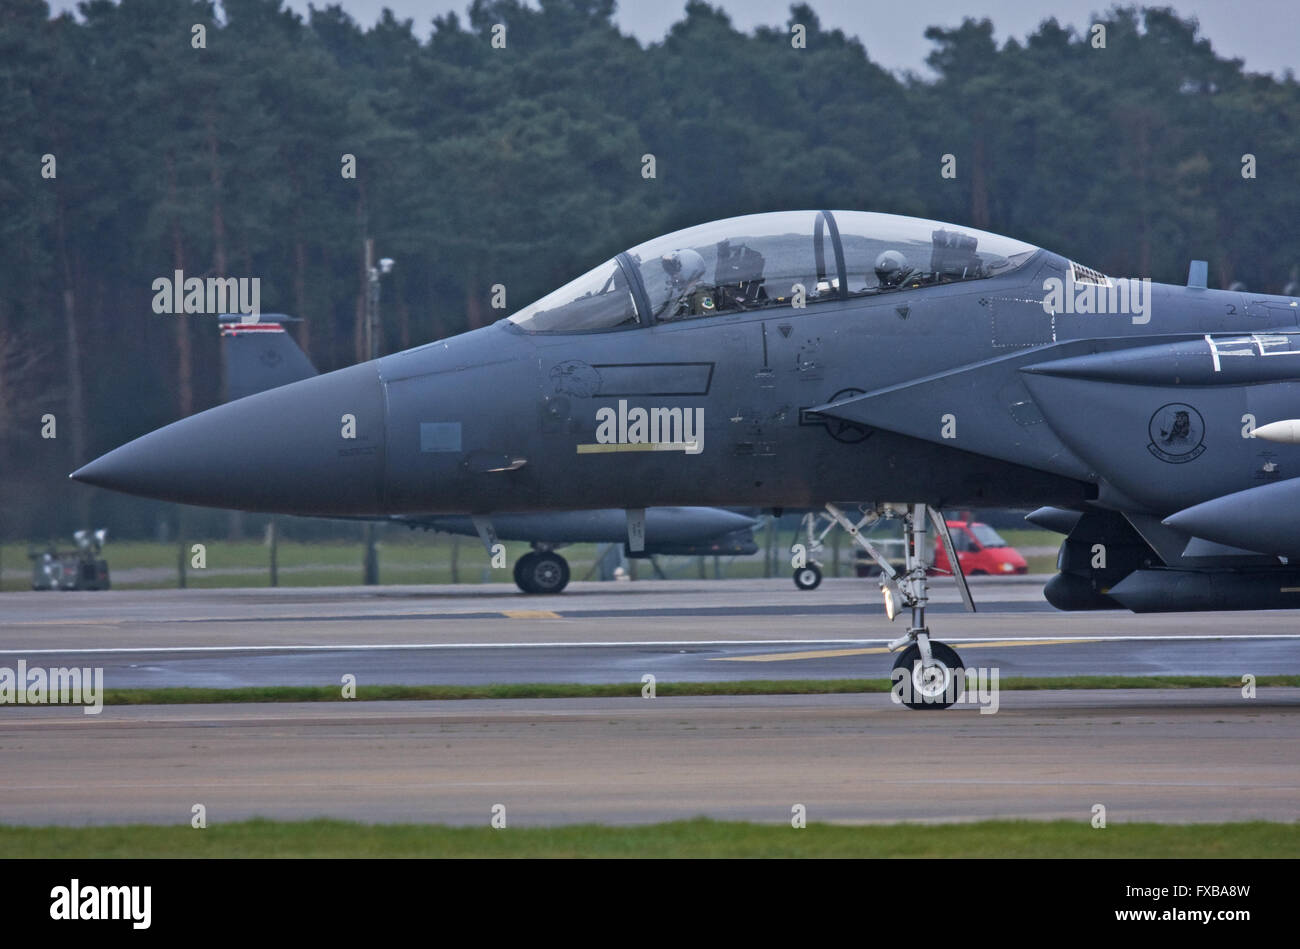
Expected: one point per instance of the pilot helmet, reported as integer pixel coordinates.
(684, 267)
(891, 267)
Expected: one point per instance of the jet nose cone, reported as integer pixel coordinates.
(312, 447)
(106, 471)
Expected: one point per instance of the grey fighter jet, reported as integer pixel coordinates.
(261, 355)
(784, 360)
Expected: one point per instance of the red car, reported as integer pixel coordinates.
(981, 551)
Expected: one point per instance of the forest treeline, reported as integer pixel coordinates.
(510, 149)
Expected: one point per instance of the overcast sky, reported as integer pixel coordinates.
(1264, 33)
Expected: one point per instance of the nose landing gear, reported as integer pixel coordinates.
(932, 686)
(928, 668)
(541, 571)
(809, 577)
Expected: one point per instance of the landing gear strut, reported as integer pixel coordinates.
(541, 571)
(929, 668)
(809, 576)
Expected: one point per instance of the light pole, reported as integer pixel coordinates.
(373, 273)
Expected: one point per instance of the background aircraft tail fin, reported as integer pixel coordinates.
(260, 356)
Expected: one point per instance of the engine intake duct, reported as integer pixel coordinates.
(1101, 550)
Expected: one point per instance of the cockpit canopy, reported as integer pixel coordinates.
(780, 259)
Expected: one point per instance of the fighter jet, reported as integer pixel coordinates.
(784, 360)
(261, 355)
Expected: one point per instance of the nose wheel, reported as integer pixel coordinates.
(541, 572)
(928, 687)
(808, 578)
(925, 672)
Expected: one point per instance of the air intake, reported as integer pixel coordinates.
(1081, 274)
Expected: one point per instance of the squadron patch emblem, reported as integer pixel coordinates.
(1177, 433)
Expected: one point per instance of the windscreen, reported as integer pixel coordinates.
(887, 252)
(987, 536)
(600, 299)
(743, 263)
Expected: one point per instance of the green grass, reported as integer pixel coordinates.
(404, 557)
(1043, 565)
(692, 838)
(544, 690)
(408, 557)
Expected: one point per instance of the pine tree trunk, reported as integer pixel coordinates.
(218, 217)
(404, 322)
(300, 295)
(473, 304)
(184, 352)
(76, 424)
(979, 190)
(359, 325)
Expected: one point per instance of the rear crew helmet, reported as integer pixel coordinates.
(891, 267)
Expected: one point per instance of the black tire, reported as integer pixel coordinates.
(521, 571)
(808, 578)
(930, 692)
(542, 573)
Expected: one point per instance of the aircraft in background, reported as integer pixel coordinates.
(781, 360)
(263, 355)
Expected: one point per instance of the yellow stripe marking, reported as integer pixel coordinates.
(530, 614)
(815, 654)
(877, 650)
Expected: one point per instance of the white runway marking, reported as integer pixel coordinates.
(345, 647)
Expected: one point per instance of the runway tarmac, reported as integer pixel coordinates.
(470, 664)
(1169, 755)
(1177, 756)
(675, 630)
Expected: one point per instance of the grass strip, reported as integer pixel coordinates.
(690, 838)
